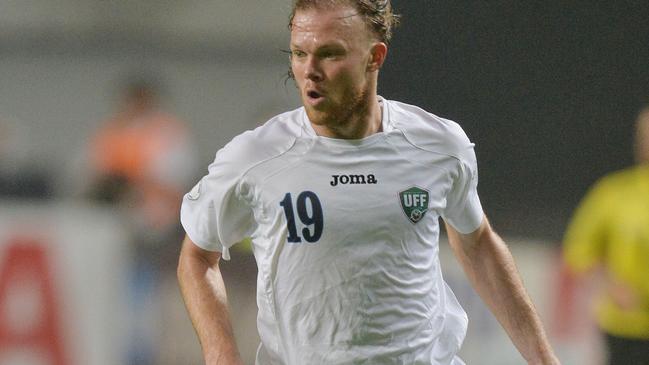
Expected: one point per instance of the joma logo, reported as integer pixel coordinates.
(353, 179)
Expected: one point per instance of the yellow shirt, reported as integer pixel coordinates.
(611, 228)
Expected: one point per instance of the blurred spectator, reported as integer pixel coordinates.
(143, 156)
(20, 174)
(143, 160)
(608, 241)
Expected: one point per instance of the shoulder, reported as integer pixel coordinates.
(430, 132)
(608, 191)
(269, 140)
(616, 182)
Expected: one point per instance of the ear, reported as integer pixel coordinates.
(378, 52)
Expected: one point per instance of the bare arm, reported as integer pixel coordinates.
(490, 267)
(203, 290)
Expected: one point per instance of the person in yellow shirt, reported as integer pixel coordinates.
(608, 240)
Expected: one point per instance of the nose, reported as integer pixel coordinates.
(312, 69)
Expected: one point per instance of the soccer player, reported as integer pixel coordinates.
(341, 198)
(608, 241)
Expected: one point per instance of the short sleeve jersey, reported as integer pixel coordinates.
(345, 235)
(610, 228)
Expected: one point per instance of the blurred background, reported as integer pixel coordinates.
(111, 110)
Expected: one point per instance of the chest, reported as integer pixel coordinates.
(628, 220)
(352, 197)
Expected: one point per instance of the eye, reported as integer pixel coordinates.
(331, 53)
(298, 53)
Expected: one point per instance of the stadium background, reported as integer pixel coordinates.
(548, 92)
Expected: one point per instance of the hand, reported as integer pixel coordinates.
(622, 294)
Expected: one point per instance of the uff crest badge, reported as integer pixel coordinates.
(414, 202)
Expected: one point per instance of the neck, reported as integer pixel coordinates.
(359, 124)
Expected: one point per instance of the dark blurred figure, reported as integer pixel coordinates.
(608, 241)
(143, 160)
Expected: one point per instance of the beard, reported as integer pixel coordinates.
(341, 113)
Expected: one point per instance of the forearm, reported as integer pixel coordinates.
(491, 269)
(205, 297)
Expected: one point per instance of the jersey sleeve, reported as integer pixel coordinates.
(585, 238)
(215, 214)
(463, 210)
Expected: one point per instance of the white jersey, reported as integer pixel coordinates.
(345, 235)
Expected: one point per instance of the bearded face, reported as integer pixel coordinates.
(330, 52)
